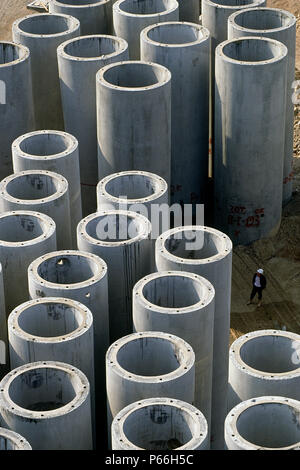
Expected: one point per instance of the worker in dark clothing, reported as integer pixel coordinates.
(259, 283)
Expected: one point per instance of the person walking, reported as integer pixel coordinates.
(259, 283)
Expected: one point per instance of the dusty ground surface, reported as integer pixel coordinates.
(279, 256)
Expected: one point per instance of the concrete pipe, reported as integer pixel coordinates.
(42, 34)
(49, 404)
(4, 353)
(122, 239)
(10, 440)
(159, 424)
(189, 10)
(141, 91)
(280, 25)
(16, 100)
(264, 362)
(130, 17)
(52, 151)
(181, 304)
(265, 423)
(95, 16)
(78, 62)
(147, 365)
(184, 49)
(24, 236)
(207, 252)
(251, 91)
(40, 191)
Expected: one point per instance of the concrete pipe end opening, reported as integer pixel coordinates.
(67, 270)
(142, 8)
(45, 25)
(77, 4)
(159, 424)
(234, 4)
(262, 20)
(264, 423)
(175, 34)
(10, 440)
(12, 53)
(24, 228)
(92, 48)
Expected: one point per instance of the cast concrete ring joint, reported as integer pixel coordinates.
(122, 43)
(116, 7)
(285, 13)
(72, 144)
(201, 29)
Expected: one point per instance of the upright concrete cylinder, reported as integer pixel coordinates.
(42, 34)
(24, 236)
(184, 49)
(251, 92)
(16, 100)
(280, 25)
(40, 191)
(207, 252)
(130, 17)
(141, 91)
(10, 440)
(181, 304)
(177, 426)
(4, 354)
(122, 239)
(264, 362)
(148, 365)
(189, 10)
(49, 404)
(264, 423)
(95, 16)
(52, 151)
(78, 61)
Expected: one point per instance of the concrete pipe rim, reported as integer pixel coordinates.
(74, 375)
(218, 4)
(183, 364)
(198, 436)
(91, 4)
(274, 51)
(220, 252)
(120, 42)
(117, 8)
(206, 293)
(161, 77)
(159, 186)
(203, 34)
(68, 141)
(81, 315)
(99, 273)
(72, 25)
(15, 438)
(239, 16)
(47, 227)
(9, 184)
(23, 52)
(247, 344)
(141, 223)
(232, 425)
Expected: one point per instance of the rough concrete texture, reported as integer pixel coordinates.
(184, 49)
(4, 358)
(40, 191)
(189, 10)
(207, 252)
(264, 362)
(250, 91)
(44, 402)
(264, 423)
(130, 17)
(182, 304)
(177, 425)
(78, 61)
(148, 365)
(141, 91)
(42, 34)
(52, 151)
(24, 236)
(10, 440)
(95, 17)
(16, 100)
(122, 239)
(280, 25)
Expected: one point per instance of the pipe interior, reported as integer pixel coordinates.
(132, 186)
(49, 320)
(78, 2)
(251, 50)
(114, 228)
(44, 389)
(172, 291)
(43, 145)
(272, 425)
(45, 24)
(10, 53)
(159, 427)
(262, 19)
(194, 244)
(270, 354)
(21, 228)
(146, 7)
(149, 357)
(92, 47)
(175, 33)
(67, 269)
(33, 186)
(135, 75)
(7, 444)
(234, 3)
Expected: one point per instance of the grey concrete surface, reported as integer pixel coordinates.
(10, 440)
(189, 10)
(4, 358)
